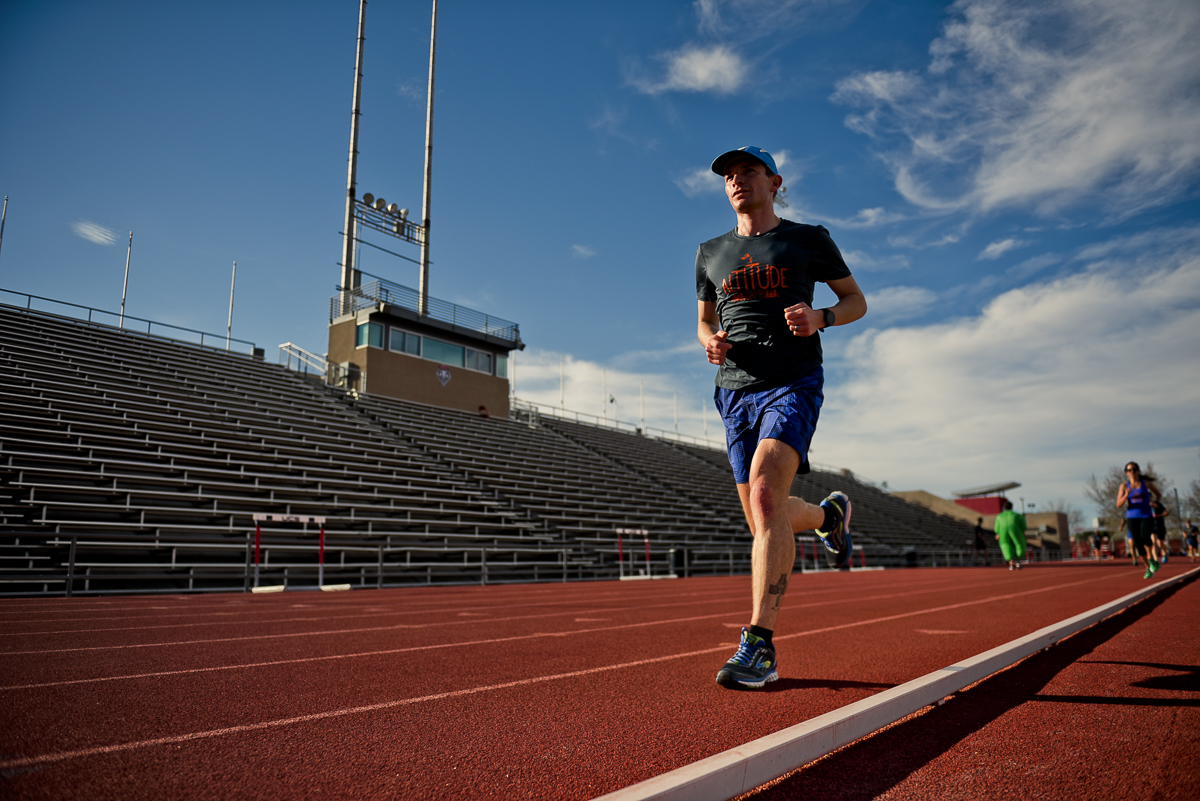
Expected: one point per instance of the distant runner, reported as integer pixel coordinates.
(754, 286)
(1010, 533)
(1135, 494)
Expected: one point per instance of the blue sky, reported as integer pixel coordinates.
(1014, 185)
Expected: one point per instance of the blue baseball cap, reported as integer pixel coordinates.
(718, 165)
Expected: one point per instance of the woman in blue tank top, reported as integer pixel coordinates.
(1135, 494)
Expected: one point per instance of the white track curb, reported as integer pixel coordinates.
(742, 769)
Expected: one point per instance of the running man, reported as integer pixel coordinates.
(754, 286)
(981, 549)
(1010, 533)
(1135, 494)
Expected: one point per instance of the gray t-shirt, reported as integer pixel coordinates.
(752, 279)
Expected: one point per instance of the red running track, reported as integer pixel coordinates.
(534, 691)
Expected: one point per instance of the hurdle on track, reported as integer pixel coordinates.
(260, 518)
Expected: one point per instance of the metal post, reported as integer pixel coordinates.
(257, 550)
(604, 394)
(125, 285)
(321, 559)
(350, 277)
(71, 568)
(3, 215)
(620, 556)
(229, 327)
(423, 288)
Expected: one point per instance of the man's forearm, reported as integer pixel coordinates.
(849, 308)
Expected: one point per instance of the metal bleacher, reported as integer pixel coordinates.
(132, 463)
(129, 463)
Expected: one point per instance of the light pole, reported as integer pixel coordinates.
(3, 215)
(423, 287)
(125, 285)
(350, 277)
(229, 327)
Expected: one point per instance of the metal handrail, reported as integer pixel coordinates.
(126, 317)
(619, 425)
(381, 291)
(304, 359)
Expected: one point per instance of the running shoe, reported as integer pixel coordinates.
(1153, 567)
(1149, 573)
(837, 540)
(751, 667)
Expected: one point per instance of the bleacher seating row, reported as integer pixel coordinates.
(132, 463)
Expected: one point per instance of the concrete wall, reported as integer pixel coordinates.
(1056, 520)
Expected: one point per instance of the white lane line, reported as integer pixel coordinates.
(368, 611)
(442, 624)
(246, 604)
(538, 635)
(747, 767)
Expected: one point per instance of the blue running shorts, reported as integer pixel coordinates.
(788, 414)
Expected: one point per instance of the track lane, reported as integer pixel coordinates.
(624, 692)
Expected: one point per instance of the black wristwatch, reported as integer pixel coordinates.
(830, 319)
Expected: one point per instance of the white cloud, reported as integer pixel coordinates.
(895, 304)
(1042, 104)
(1034, 265)
(557, 380)
(94, 232)
(700, 181)
(583, 251)
(1049, 383)
(999, 248)
(696, 68)
(858, 260)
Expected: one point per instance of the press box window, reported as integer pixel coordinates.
(369, 334)
(443, 352)
(502, 366)
(477, 360)
(405, 342)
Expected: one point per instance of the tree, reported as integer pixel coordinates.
(1103, 493)
(1191, 501)
(1062, 505)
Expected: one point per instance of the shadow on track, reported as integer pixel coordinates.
(790, 685)
(859, 772)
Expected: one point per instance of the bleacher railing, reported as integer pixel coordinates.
(294, 357)
(122, 322)
(527, 411)
(381, 291)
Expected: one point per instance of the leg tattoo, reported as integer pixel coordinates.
(778, 590)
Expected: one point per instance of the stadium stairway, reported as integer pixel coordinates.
(134, 463)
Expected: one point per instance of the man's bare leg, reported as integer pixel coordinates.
(774, 518)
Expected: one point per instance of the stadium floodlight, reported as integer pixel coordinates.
(404, 214)
(380, 204)
(369, 199)
(392, 208)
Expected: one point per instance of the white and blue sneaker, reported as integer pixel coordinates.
(837, 539)
(752, 666)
